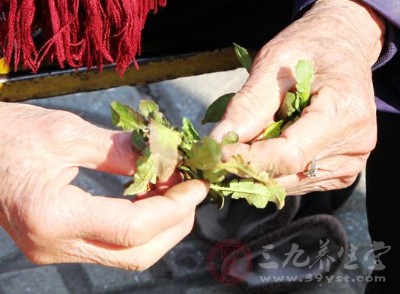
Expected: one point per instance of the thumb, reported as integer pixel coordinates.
(101, 149)
(124, 223)
(254, 106)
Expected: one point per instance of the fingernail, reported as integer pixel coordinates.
(221, 129)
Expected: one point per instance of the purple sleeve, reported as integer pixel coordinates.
(386, 74)
(390, 10)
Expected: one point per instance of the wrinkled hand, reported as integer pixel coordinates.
(342, 39)
(53, 221)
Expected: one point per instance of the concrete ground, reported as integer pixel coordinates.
(184, 268)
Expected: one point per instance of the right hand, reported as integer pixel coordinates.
(342, 39)
(52, 221)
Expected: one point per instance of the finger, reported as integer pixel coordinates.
(79, 143)
(161, 186)
(121, 222)
(105, 150)
(254, 106)
(335, 172)
(300, 185)
(312, 135)
(137, 258)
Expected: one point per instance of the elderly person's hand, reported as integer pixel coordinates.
(53, 221)
(342, 39)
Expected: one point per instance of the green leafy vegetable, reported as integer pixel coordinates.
(304, 79)
(273, 130)
(164, 143)
(243, 56)
(166, 148)
(125, 117)
(216, 110)
(145, 174)
(254, 192)
(230, 138)
(294, 103)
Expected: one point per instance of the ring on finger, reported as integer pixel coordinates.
(313, 171)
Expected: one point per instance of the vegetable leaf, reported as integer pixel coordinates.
(189, 135)
(147, 107)
(304, 78)
(216, 110)
(243, 56)
(164, 144)
(150, 110)
(230, 138)
(138, 140)
(238, 166)
(273, 130)
(145, 174)
(126, 117)
(166, 148)
(205, 155)
(256, 193)
(289, 107)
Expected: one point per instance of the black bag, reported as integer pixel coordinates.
(275, 250)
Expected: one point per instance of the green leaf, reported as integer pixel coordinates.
(214, 175)
(216, 198)
(290, 106)
(138, 140)
(304, 78)
(164, 142)
(147, 107)
(256, 193)
(205, 155)
(243, 56)
(189, 135)
(188, 174)
(273, 130)
(230, 138)
(150, 110)
(145, 174)
(126, 117)
(216, 110)
(189, 130)
(238, 166)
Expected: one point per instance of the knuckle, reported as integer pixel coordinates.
(248, 101)
(60, 129)
(293, 160)
(188, 226)
(347, 181)
(35, 257)
(133, 234)
(59, 121)
(138, 264)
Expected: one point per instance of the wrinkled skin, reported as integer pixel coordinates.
(41, 150)
(53, 221)
(342, 39)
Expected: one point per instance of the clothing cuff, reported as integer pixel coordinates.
(386, 10)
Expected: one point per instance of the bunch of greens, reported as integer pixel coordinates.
(166, 148)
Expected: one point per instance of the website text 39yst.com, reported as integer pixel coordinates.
(322, 278)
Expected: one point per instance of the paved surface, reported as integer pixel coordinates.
(183, 269)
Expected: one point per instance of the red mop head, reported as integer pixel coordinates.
(73, 33)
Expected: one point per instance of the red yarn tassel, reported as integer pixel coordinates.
(73, 33)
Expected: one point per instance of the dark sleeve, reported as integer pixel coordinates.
(390, 10)
(386, 74)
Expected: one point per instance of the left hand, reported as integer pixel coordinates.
(53, 221)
